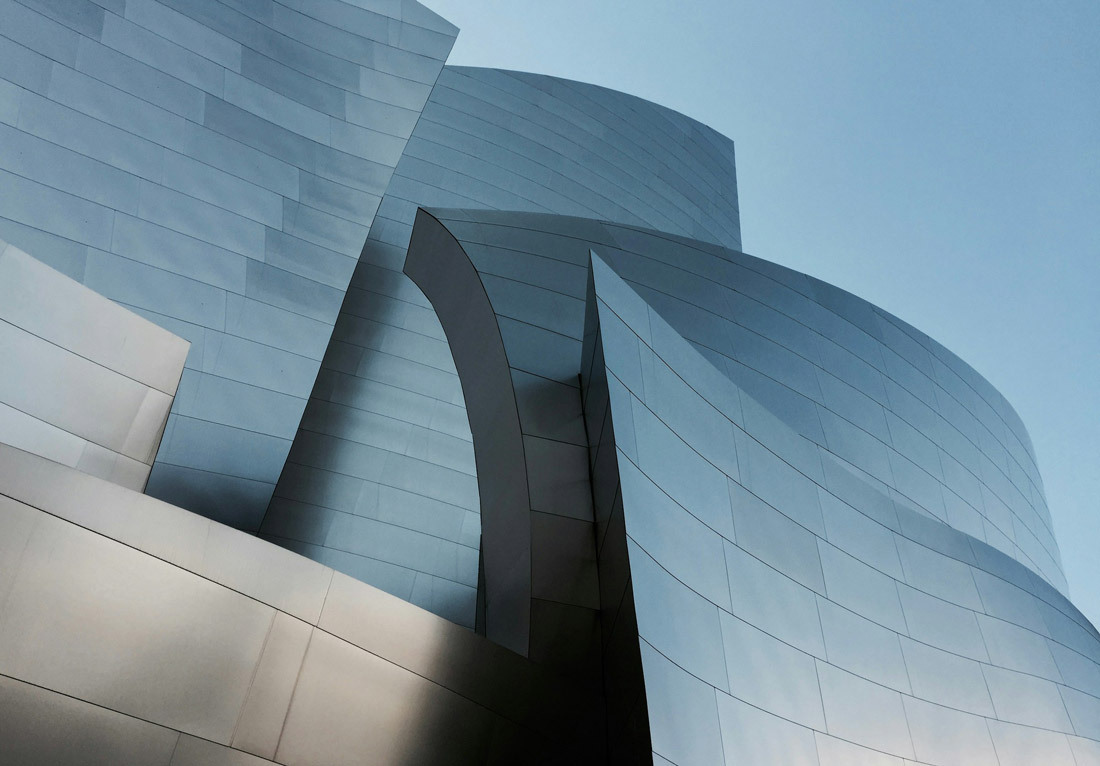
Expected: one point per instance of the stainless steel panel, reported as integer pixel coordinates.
(941, 624)
(350, 706)
(683, 712)
(860, 711)
(859, 536)
(132, 76)
(862, 647)
(133, 88)
(1024, 746)
(685, 546)
(775, 539)
(751, 735)
(1024, 699)
(563, 561)
(269, 696)
(943, 735)
(99, 621)
(192, 751)
(62, 214)
(160, 52)
(946, 679)
(1017, 648)
(837, 752)
(204, 40)
(1084, 712)
(682, 472)
(778, 484)
(772, 602)
(288, 582)
(149, 354)
(1085, 751)
(862, 589)
(771, 675)
(44, 728)
(938, 575)
(677, 622)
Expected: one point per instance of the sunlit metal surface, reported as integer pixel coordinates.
(87, 383)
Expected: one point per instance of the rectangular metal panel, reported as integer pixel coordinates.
(99, 621)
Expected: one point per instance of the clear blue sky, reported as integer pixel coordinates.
(940, 159)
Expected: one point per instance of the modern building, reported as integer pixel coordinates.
(489, 444)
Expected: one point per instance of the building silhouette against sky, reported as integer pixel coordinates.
(435, 416)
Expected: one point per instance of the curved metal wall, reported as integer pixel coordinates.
(777, 623)
(381, 481)
(782, 604)
(214, 166)
(873, 392)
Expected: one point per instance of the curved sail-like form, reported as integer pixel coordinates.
(764, 591)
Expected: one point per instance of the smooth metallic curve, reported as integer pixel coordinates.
(760, 596)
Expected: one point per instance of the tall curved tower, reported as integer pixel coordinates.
(527, 461)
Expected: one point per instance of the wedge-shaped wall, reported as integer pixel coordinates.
(87, 383)
(214, 166)
(381, 482)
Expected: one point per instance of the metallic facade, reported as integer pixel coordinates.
(699, 508)
(765, 596)
(381, 481)
(135, 632)
(214, 166)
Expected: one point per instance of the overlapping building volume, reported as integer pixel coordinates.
(359, 409)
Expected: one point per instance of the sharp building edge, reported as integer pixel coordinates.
(490, 445)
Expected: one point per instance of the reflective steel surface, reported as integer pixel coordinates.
(812, 664)
(702, 509)
(381, 482)
(767, 570)
(215, 167)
